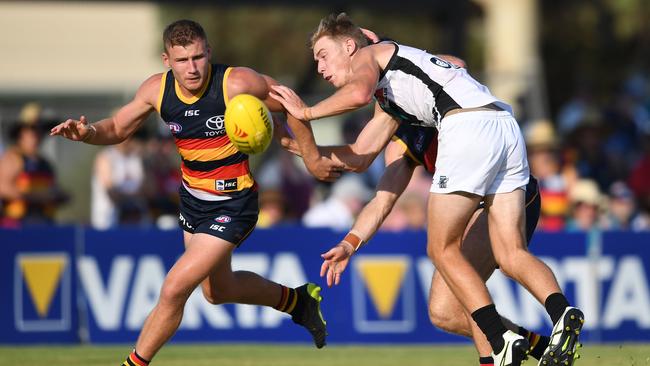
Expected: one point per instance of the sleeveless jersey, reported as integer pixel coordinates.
(419, 88)
(212, 167)
(421, 144)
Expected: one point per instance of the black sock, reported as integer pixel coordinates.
(490, 323)
(486, 361)
(555, 305)
(538, 343)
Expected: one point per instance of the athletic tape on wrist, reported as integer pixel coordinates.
(354, 240)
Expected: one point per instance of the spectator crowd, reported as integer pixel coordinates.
(592, 162)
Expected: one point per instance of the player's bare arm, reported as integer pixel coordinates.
(372, 139)
(392, 184)
(119, 127)
(356, 93)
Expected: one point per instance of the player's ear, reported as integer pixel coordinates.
(165, 59)
(350, 46)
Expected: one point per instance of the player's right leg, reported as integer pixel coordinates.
(203, 254)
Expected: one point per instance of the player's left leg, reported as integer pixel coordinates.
(224, 285)
(516, 262)
(448, 314)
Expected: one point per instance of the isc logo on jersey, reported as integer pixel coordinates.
(42, 289)
(383, 294)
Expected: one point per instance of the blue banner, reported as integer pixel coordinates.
(382, 296)
(38, 286)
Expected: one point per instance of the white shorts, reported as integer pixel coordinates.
(480, 152)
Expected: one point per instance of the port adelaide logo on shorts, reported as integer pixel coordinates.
(223, 219)
(215, 125)
(442, 182)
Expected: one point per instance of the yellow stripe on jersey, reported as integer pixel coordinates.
(226, 99)
(208, 154)
(406, 149)
(209, 185)
(161, 92)
(193, 98)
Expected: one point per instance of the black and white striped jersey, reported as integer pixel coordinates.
(419, 88)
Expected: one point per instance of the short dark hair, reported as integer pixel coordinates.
(338, 25)
(182, 32)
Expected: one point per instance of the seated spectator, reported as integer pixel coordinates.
(587, 205)
(163, 181)
(622, 211)
(544, 160)
(339, 210)
(117, 186)
(28, 187)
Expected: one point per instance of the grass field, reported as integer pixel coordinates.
(283, 355)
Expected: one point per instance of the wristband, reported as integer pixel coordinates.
(354, 240)
(92, 131)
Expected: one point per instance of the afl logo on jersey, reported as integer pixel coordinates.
(215, 123)
(175, 128)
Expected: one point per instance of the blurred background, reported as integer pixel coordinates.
(576, 72)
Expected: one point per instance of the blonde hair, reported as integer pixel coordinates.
(336, 26)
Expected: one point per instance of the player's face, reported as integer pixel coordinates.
(333, 60)
(190, 64)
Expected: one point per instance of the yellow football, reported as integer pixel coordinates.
(249, 124)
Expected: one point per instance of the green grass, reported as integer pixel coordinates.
(283, 355)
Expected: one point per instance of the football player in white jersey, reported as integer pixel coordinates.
(481, 157)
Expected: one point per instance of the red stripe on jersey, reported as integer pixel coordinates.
(197, 144)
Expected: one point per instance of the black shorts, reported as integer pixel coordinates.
(231, 220)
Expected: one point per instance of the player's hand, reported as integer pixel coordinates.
(324, 169)
(291, 145)
(290, 100)
(72, 129)
(335, 262)
(372, 36)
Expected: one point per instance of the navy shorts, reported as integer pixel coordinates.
(231, 220)
(533, 207)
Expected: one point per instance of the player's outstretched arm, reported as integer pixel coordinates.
(358, 156)
(117, 128)
(357, 93)
(372, 139)
(391, 186)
